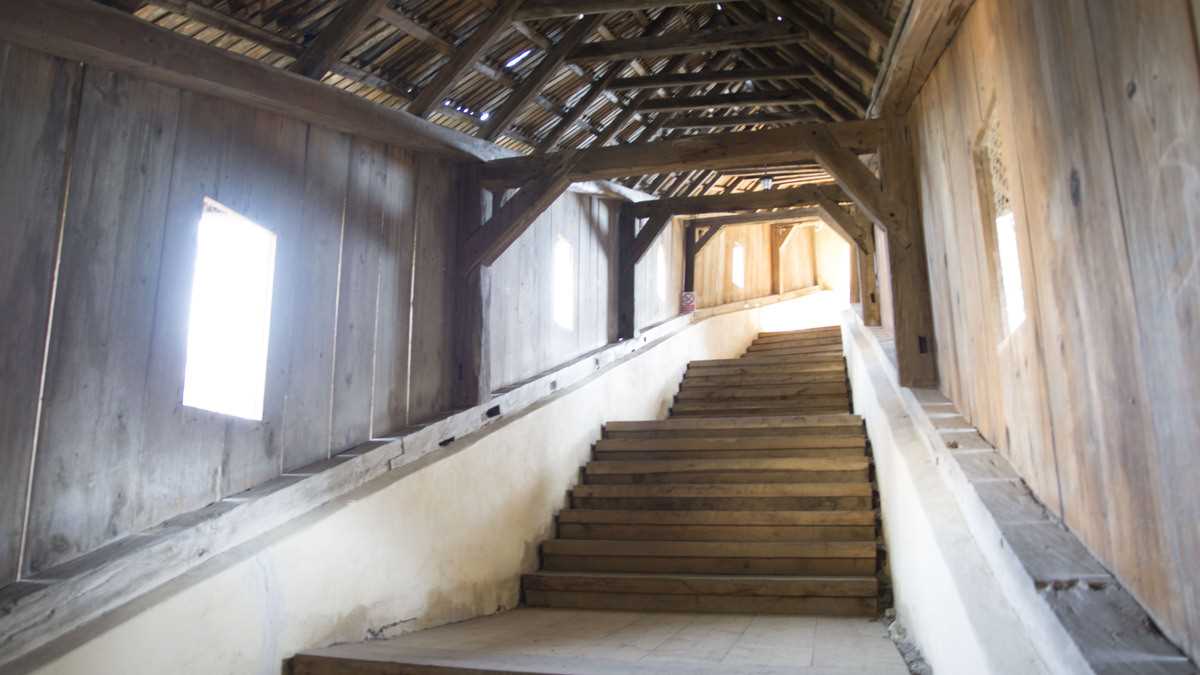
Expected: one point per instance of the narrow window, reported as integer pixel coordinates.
(739, 265)
(1000, 224)
(229, 320)
(564, 284)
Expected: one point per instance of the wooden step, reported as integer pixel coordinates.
(827, 360)
(763, 391)
(728, 497)
(798, 340)
(762, 407)
(795, 470)
(820, 330)
(738, 367)
(846, 558)
(728, 454)
(717, 525)
(769, 378)
(807, 352)
(836, 424)
(841, 596)
(793, 442)
(784, 348)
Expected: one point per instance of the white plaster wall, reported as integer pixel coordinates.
(444, 543)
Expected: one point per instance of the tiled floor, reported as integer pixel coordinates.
(593, 642)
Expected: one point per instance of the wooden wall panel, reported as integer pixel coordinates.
(394, 307)
(833, 261)
(435, 218)
(797, 261)
(659, 278)
(1150, 90)
(37, 103)
(117, 451)
(304, 427)
(523, 336)
(1090, 397)
(86, 485)
(714, 285)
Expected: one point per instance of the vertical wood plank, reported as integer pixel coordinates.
(432, 379)
(38, 99)
(362, 241)
(93, 481)
(626, 312)
(393, 309)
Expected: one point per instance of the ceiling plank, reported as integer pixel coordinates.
(531, 85)
(709, 77)
(765, 199)
(549, 9)
(700, 122)
(923, 34)
(872, 26)
(685, 42)
(711, 151)
(824, 38)
(738, 100)
(329, 44)
(464, 56)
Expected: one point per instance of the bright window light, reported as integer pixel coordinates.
(517, 59)
(229, 321)
(564, 284)
(739, 265)
(1010, 271)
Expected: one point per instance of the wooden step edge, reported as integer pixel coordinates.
(703, 584)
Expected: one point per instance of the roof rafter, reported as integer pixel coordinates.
(680, 42)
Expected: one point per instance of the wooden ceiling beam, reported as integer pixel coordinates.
(738, 100)
(531, 85)
(464, 56)
(534, 10)
(711, 77)
(680, 42)
(859, 183)
(924, 33)
(701, 122)
(851, 229)
(741, 201)
(782, 216)
(823, 37)
(872, 26)
(711, 151)
(329, 44)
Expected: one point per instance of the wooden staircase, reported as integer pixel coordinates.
(755, 496)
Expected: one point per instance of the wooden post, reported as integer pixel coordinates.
(868, 287)
(689, 260)
(777, 234)
(626, 236)
(912, 307)
(472, 383)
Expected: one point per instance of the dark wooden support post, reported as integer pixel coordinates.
(472, 384)
(912, 306)
(626, 237)
(868, 283)
(689, 260)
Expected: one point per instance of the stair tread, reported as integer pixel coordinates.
(625, 548)
(862, 489)
(704, 517)
(746, 443)
(780, 422)
(718, 465)
(703, 584)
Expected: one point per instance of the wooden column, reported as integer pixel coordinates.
(472, 383)
(689, 260)
(777, 235)
(912, 308)
(868, 287)
(626, 236)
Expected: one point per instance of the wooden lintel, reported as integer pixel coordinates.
(710, 151)
(760, 35)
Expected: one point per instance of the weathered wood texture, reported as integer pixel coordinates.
(117, 451)
(523, 336)
(37, 100)
(797, 261)
(714, 265)
(1092, 396)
